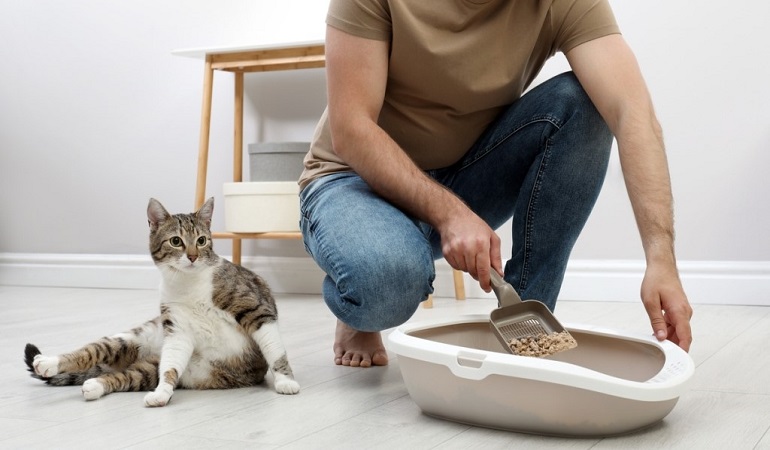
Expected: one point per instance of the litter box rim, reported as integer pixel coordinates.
(476, 364)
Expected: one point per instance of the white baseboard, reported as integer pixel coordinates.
(285, 275)
(706, 282)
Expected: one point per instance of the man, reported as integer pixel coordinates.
(427, 146)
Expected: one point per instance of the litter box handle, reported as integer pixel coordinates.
(477, 366)
(470, 365)
(506, 294)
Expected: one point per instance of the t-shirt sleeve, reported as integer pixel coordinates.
(579, 21)
(368, 19)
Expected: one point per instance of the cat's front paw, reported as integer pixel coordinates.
(285, 385)
(155, 398)
(46, 366)
(92, 389)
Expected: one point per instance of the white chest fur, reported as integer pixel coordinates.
(213, 332)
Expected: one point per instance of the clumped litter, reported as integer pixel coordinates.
(543, 344)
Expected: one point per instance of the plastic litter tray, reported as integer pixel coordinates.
(612, 383)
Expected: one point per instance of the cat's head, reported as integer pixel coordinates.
(181, 241)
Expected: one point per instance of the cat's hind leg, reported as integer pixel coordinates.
(139, 376)
(46, 368)
(269, 341)
(117, 351)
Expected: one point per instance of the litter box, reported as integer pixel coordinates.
(611, 384)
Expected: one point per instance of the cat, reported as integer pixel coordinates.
(217, 327)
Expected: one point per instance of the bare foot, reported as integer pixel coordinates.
(358, 348)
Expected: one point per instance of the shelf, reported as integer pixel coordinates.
(264, 235)
(261, 63)
(244, 59)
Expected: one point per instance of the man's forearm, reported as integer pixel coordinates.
(645, 169)
(393, 175)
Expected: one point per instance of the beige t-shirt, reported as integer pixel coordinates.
(454, 66)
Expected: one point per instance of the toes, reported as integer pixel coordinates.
(380, 358)
(364, 360)
(339, 357)
(354, 359)
(347, 359)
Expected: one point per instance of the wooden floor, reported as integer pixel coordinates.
(727, 406)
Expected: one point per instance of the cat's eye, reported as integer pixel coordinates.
(175, 241)
(202, 241)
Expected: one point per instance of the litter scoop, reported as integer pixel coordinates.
(526, 328)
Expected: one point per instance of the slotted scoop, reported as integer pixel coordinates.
(526, 327)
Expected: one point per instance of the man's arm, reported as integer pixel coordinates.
(608, 71)
(357, 70)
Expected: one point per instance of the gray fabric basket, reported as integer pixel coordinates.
(276, 161)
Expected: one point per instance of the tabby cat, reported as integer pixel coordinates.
(217, 327)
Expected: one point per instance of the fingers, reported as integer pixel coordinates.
(482, 273)
(655, 313)
(680, 327)
(496, 258)
(670, 322)
(477, 255)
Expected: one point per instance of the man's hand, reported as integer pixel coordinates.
(667, 305)
(470, 245)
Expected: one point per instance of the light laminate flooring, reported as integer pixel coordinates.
(726, 407)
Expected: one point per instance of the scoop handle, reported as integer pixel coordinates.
(506, 294)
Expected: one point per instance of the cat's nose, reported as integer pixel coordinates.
(192, 258)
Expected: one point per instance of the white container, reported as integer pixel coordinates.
(259, 207)
(610, 384)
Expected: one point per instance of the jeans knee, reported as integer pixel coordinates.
(570, 93)
(381, 294)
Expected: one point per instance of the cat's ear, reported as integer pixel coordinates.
(156, 214)
(207, 210)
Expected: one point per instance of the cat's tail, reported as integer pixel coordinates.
(61, 379)
(30, 351)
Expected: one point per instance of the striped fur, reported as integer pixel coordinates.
(217, 327)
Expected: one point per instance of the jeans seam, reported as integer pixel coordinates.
(544, 118)
(532, 210)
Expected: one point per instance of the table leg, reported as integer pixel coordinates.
(238, 132)
(203, 144)
(459, 284)
(238, 149)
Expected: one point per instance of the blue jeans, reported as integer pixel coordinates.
(542, 163)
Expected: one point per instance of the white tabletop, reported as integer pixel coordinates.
(201, 52)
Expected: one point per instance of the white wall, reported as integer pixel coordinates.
(96, 116)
